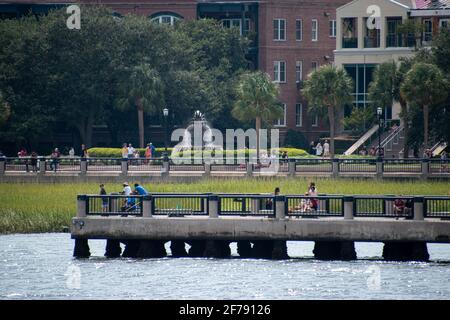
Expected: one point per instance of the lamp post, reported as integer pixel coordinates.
(379, 113)
(166, 115)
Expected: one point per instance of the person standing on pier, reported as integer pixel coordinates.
(104, 199)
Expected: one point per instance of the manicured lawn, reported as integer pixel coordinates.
(49, 207)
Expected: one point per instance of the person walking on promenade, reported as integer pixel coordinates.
(326, 149)
(312, 148)
(54, 159)
(84, 151)
(24, 156)
(148, 153)
(319, 149)
(124, 151)
(34, 160)
(152, 150)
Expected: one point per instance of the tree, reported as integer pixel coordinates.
(384, 90)
(257, 99)
(5, 110)
(424, 85)
(327, 90)
(142, 88)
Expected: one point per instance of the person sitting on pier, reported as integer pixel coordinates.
(399, 207)
(312, 192)
(140, 189)
(269, 202)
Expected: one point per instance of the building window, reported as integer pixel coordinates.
(279, 29)
(315, 30)
(298, 30)
(282, 121)
(314, 65)
(298, 71)
(298, 115)
(333, 28)
(315, 121)
(165, 18)
(279, 71)
(349, 33)
(428, 31)
(236, 23)
(372, 35)
(444, 23)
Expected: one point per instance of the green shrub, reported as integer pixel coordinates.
(117, 152)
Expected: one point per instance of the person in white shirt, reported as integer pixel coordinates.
(130, 151)
(71, 153)
(126, 189)
(319, 149)
(326, 149)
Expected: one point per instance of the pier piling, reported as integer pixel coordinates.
(81, 249)
(113, 249)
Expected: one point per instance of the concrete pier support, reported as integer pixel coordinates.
(151, 249)
(113, 249)
(244, 248)
(406, 251)
(81, 249)
(217, 249)
(334, 250)
(131, 248)
(178, 249)
(197, 248)
(279, 251)
(262, 249)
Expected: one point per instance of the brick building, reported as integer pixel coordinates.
(291, 38)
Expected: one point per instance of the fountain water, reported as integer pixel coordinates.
(197, 136)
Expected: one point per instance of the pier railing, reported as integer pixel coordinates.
(370, 167)
(265, 206)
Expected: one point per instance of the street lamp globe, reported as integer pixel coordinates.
(379, 111)
(165, 112)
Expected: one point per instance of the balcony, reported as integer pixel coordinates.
(371, 42)
(400, 41)
(348, 43)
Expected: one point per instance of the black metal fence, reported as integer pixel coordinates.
(383, 206)
(305, 206)
(437, 207)
(114, 205)
(180, 204)
(416, 167)
(265, 205)
(246, 205)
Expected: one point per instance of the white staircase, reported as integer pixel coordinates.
(361, 141)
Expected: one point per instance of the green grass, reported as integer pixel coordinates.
(27, 208)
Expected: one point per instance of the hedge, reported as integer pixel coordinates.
(117, 152)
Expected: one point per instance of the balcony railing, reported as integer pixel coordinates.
(400, 41)
(348, 43)
(371, 42)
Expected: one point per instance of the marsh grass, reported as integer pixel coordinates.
(27, 208)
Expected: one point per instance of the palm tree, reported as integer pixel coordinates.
(257, 99)
(327, 90)
(142, 89)
(384, 90)
(424, 85)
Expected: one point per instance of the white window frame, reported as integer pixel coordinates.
(280, 123)
(297, 29)
(277, 71)
(299, 115)
(314, 30)
(241, 27)
(430, 32)
(173, 19)
(298, 71)
(315, 121)
(333, 28)
(278, 21)
(444, 20)
(314, 68)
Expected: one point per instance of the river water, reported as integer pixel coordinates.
(40, 266)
